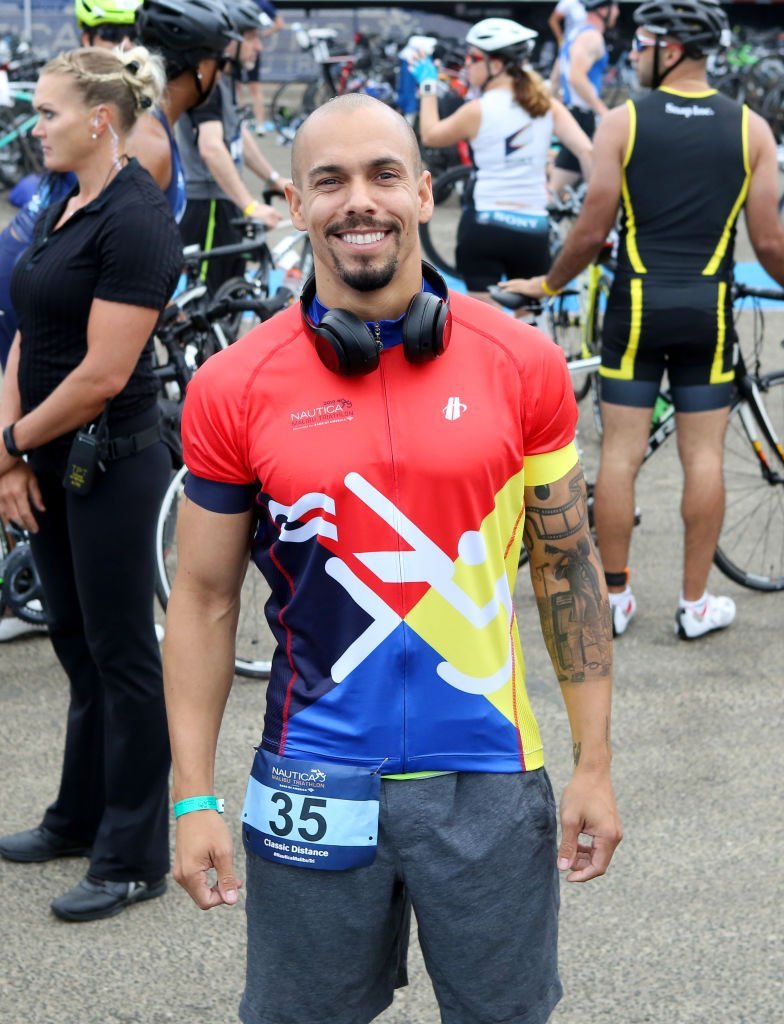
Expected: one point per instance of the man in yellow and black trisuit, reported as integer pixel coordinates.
(682, 162)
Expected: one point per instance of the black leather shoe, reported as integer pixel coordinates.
(95, 898)
(37, 845)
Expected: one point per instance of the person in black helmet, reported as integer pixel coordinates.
(215, 143)
(582, 61)
(684, 160)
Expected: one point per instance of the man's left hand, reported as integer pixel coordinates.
(588, 809)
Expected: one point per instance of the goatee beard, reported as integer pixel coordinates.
(367, 278)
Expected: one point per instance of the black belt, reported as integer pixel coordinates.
(122, 447)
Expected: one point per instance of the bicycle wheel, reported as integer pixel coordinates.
(751, 543)
(451, 191)
(593, 345)
(253, 638)
(287, 107)
(566, 329)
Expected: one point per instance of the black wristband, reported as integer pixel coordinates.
(10, 444)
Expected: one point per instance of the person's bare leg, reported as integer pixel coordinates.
(256, 90)
(625, 439)
(701, 449)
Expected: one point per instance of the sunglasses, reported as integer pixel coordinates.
(113, 33)
(474, 58)
(640, 43)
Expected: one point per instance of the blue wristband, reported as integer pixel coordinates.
(198, 803)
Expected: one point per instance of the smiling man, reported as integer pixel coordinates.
(381, 451)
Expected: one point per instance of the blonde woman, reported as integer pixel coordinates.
(510, 128)
(80, 401)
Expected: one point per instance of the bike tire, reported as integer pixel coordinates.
(593, 346)
(253, 637)
(566, 329)
(451, 191)
(751, 543)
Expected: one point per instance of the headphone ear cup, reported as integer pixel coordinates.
(345, 345)
(426, 327)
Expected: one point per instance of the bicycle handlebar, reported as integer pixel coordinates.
(250, 247)
(743, 291)
(263, 308)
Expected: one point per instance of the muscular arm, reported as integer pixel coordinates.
(587, 48)
(198, 669)
(568, 582)
(762, 218)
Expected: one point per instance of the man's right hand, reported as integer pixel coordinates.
(19, 496)
(204, 844)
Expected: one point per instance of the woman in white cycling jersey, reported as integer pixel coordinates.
(510, 128)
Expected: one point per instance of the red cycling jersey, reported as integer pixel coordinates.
(390, 520)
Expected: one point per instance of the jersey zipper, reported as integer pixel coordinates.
(395, 497)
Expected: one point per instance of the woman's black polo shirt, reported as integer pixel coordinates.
(123, 247)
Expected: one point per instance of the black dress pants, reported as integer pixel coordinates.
(96, 557)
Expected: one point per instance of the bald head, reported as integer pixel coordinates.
(392, 127)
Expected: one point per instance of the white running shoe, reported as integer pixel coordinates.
(11, 628)
(624, 608)
(717, 613)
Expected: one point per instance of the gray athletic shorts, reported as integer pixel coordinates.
(474, 854)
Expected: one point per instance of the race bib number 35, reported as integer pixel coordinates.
(311, 815)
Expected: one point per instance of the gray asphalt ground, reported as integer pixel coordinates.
(685, 929)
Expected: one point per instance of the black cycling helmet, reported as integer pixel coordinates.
(185, 32)
(699, 25)
(245, 15)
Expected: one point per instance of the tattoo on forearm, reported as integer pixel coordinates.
(556, 522)
(573, 610)
(576, 751)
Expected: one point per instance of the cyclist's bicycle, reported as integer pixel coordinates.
(20, 152)
(20, 585)
(183, 336)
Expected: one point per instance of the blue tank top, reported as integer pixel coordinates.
(175, 193)
(595, 72)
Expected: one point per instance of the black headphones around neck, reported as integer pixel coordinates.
(346, 345)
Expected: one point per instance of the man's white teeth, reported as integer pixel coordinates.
(376, 236)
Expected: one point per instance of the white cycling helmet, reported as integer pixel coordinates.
(502, 37)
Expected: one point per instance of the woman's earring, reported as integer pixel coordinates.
(94, 135)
